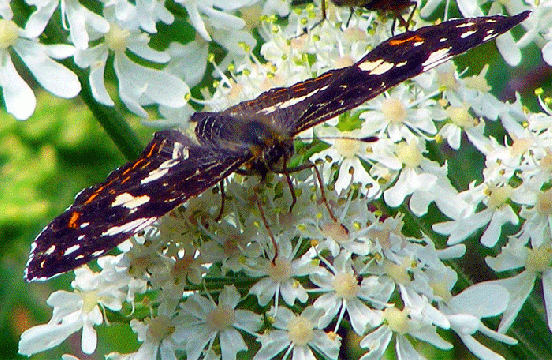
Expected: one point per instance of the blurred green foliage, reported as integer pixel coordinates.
(44, 162)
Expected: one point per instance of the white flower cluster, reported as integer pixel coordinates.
(208, 289)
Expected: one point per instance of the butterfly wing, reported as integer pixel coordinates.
(402, 57)
(170, 170)
(398, 59)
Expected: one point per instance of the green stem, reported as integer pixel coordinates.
(111, 119)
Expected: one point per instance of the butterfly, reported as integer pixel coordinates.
(251, 136)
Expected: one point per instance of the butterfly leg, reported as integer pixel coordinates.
(222, 200)
(286, 171)
(274, 245)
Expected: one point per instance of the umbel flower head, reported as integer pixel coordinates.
(265, 282)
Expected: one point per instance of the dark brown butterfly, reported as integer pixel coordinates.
(253, 135)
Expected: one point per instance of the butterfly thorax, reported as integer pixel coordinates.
(261, 138)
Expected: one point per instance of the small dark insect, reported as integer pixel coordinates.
(395, 8)
(251, 136)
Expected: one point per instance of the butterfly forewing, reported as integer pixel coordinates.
(398, 59)
(170, 170)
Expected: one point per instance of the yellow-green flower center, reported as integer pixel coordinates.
(396, 320)
(460, 116)
(300, 330)
(9, 33)
(544, 202)
(348, 148)
(280, 270)
(409, 155)
(394, 110)
(345, 285)
(499, 196)
(539, 259)
(221, 318)
(159, 328)
(117, 38)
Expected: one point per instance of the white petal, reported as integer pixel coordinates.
(59, 52)
(229, 296)
(547, 53)
(97, 84)
(464, 324)
(139, 85)
(481, 300)
(144, 51)
(547, 290)
(44, 337)
(504, 215)
(469, 8)
(18, 96)
(508, 49)
(39, 19)
(52, 76)
(197, 22)
(89, 339)
(519, 286)
(405, 350)
(479, 350)
(231, 343)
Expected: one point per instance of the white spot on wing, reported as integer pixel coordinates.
(129, 201)
(467, 33)
(132, 226)
(291, 101)
(154, 175)
(180, 152)
(176, 150)
(369, 65)
(185, 153)
(376, 67)
(50, 250)
(490, 35)
(436, 58)
(71, 249)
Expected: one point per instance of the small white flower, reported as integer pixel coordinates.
(397, 323)
(138, 85)
(158, 338)
(343, 293)
(195, 9)
(537, 263)
(278, 276)
(73, 312)
(497, 213)
(420, 177)
(465, 311)
(297, 335)
(207, 321)
(54, 77)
